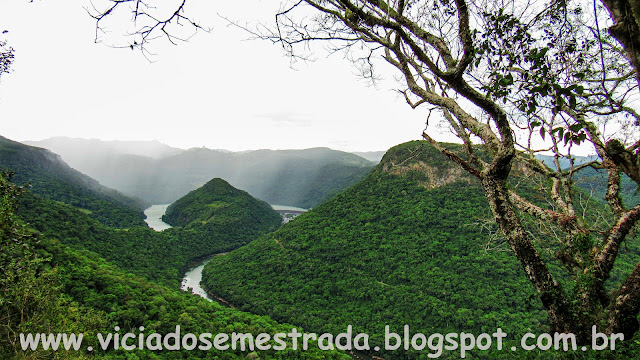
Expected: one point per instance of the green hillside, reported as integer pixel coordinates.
(47, 287)
(53, 179)
(406, 245)
(235, 220)
(400, 247)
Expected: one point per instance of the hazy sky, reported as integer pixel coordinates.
(218, 90)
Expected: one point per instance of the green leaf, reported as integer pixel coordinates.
(575, 127)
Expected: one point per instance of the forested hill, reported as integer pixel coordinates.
(52, 178)
(226, 219)
(216, 200)
(407, 245)
(403, 246)
(55, 282)
(217, 218)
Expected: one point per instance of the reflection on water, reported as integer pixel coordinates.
(191, 281)
(154, 217)
(288, 208)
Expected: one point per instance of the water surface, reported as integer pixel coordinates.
(287, 208)
(154, 217)
(191, 281)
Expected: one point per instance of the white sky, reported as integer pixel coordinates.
(217, 90)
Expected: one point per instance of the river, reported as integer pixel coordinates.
(284, 208)
(154, 217)
(192, 278)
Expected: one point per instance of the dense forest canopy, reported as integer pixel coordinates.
(49, 286)
(411, 244)
(235, 218)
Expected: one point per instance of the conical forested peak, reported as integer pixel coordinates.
(219, 186)
(216, 201)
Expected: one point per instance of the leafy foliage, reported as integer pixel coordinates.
(30, 295)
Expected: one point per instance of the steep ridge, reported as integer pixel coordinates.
(407, 245)
(53, 179)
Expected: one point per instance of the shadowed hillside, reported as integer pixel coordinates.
(52, 178)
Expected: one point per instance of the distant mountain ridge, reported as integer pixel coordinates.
(83, 147)
(303, 178)
(374, 156)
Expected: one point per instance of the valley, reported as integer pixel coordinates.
(311, 180)
(409, 244)
(191, 279)
(91, 277)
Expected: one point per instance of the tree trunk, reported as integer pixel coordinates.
(626, 29)
(623, 310)
(563, 318)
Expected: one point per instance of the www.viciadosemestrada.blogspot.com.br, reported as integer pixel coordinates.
(435, 344)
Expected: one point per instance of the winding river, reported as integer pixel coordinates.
(191, 281)
(154, 217)
(192, 278)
